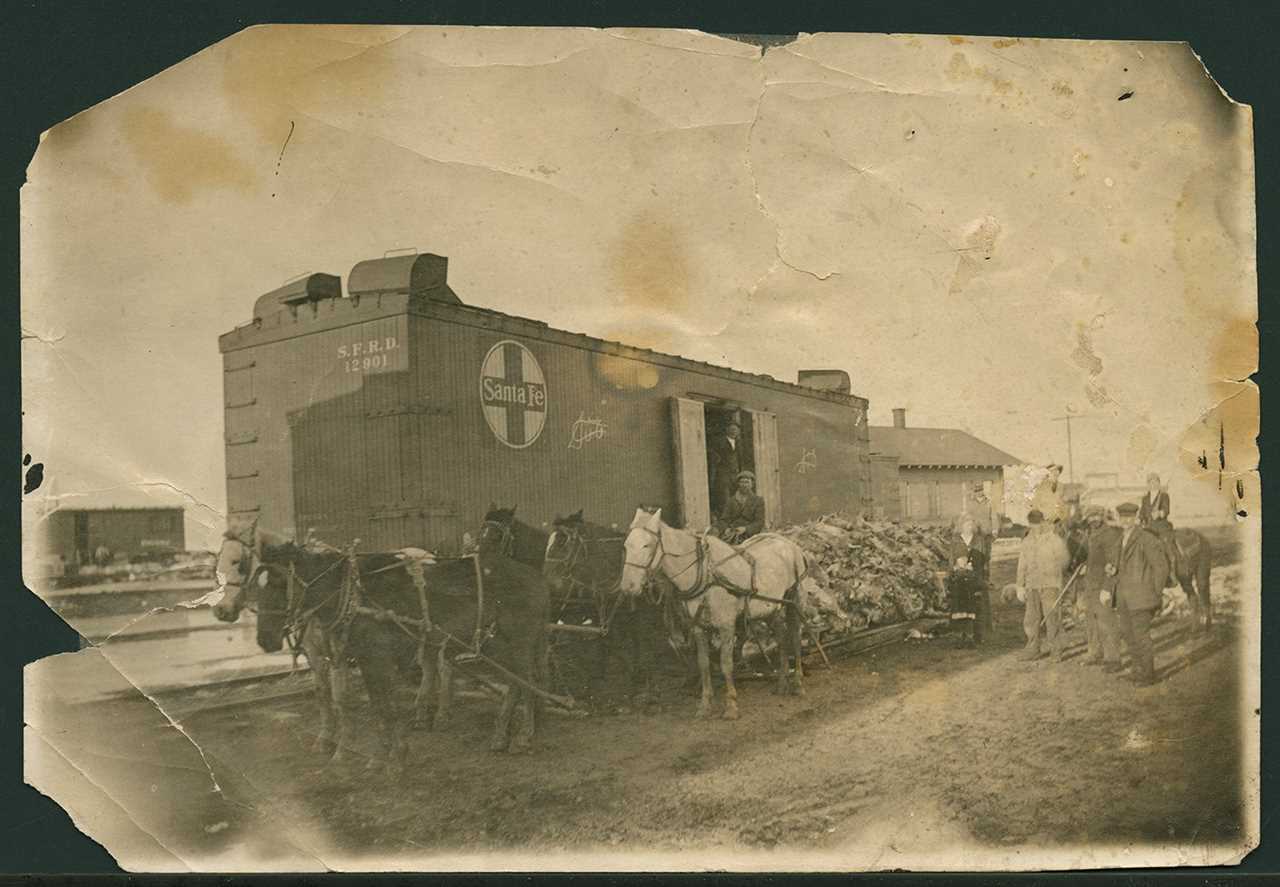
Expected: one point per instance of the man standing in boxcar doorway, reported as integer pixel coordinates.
(725, 466)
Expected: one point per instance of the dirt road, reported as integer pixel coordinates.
(916, 746)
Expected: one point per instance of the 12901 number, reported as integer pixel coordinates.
(364, 364)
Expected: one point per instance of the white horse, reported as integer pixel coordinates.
(760, 580)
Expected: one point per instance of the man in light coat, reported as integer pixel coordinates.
(1042, 558)
(1140, 580)
(1048, 498)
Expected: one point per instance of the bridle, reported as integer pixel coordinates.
(506, 539)
(294, 614)
(660, 555)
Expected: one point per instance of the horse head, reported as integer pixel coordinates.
(642, 550)
(566, 548)
(276, 571)
(232, 571)
(497, 533)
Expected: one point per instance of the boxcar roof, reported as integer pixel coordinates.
(335, 313)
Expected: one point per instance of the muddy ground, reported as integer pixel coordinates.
(923, 740)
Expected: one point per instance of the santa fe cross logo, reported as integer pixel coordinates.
(513, 393)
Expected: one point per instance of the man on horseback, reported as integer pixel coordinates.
(743, 514)
(1153, 515)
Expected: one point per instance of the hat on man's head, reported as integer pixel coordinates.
(1034, 516)
(1125, 509)
(748, 474)
(1095, 511)
(733, 423)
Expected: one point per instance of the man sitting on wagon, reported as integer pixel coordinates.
(743, 514)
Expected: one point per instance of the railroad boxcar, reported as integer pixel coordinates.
(396, 413)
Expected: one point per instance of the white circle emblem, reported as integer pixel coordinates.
(513, 394)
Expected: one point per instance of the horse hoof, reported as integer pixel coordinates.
(703, 712)
(498, 746)
(730, 714)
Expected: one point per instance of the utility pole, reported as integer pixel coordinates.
(1071, 462)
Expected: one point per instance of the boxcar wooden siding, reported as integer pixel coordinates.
(400, 453)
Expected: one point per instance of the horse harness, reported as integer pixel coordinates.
(351, 603)
(706, 579)
(578, 547)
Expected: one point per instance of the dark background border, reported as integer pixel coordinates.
(61, 58)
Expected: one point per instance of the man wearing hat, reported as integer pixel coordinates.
(743, 515)
(1101, 626)
(1042, 558)
(1140, 579)
(1048, 498)
(725, 465)
(1153, 515)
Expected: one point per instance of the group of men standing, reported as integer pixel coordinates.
(1124, 573)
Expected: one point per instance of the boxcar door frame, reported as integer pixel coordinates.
(764, 445)
(689, 449)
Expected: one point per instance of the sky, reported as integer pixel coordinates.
(990, 233)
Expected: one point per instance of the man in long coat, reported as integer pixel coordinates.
(1140, 580)
(1101, 626)
(724, 464)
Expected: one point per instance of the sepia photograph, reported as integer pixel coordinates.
(573, 449)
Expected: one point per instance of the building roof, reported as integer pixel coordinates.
(936, 448)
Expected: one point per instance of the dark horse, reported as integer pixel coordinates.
(388, 613)
(1190, 567)
(583, 568)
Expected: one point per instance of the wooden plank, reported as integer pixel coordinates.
(689, 444)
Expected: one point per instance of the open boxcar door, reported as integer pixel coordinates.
(689, 443)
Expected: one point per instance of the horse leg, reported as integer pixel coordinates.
(318, 658)
(502, 723)
(528, 666)
(444, 687)
(1193, 602)
(795, 624)
(726, 667)
(777, 627)
(704, 670)
(1204, 564)
(379, 671)
(424, 713)
(340, 683)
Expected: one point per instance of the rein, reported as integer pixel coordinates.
(577, 549)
